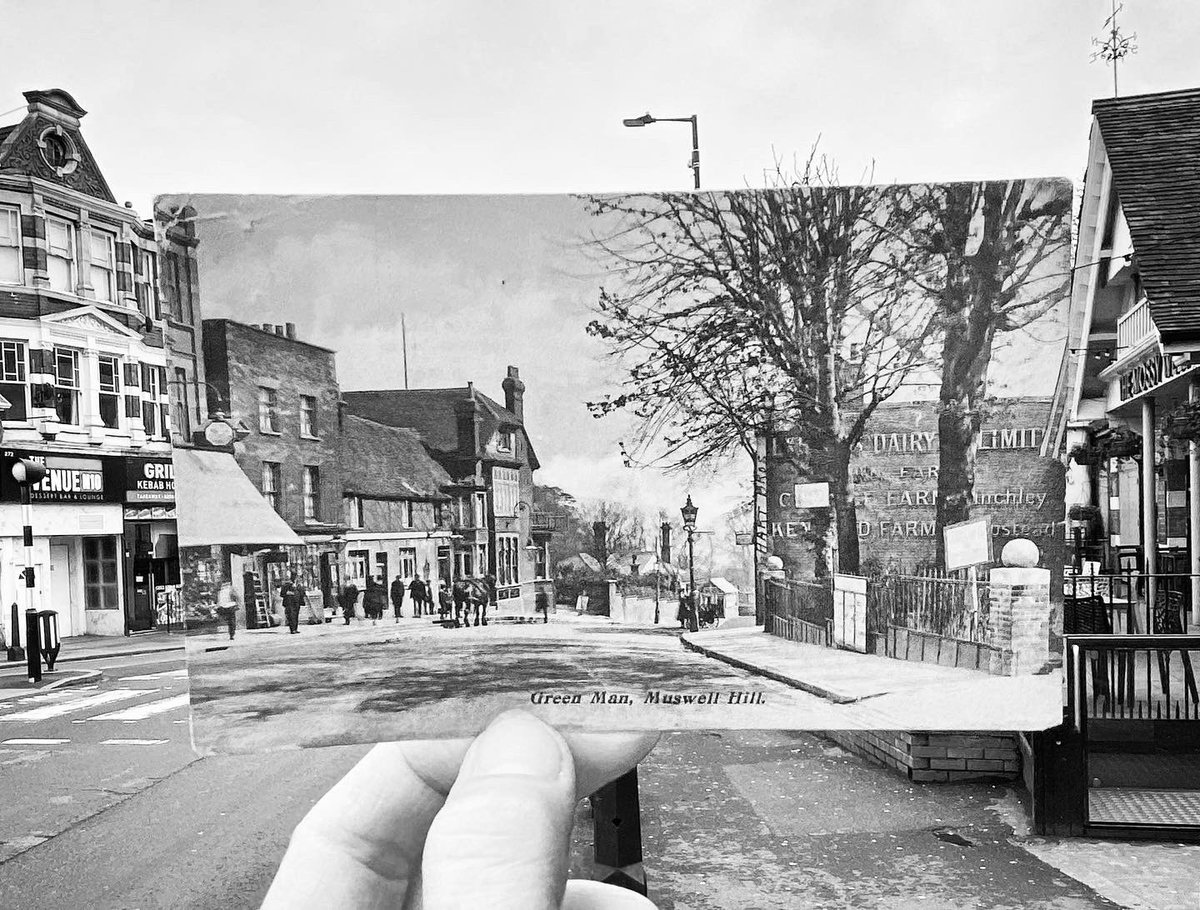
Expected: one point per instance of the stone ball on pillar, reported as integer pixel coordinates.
(1020, 553)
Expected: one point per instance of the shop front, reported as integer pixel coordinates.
(78, 537)
(388, 555)
(151, 546)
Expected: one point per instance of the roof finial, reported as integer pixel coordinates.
(1116, 46)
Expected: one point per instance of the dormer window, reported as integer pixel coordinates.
(506, 442)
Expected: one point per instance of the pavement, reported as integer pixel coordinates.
(914, 696)
(1135, 875)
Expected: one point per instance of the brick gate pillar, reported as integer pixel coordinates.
(1019, 619)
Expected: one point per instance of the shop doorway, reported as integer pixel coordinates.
(142, 609)
(59, 595)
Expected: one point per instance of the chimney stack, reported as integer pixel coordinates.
(290, 329)
(279, 331)
(514, 393)
(665, 543)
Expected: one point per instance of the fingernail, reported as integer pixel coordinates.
(516, 743)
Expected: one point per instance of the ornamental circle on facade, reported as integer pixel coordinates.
(58, 151)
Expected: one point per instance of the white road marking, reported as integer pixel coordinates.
(35, 742)
(133, 742)
(78, 704)
(168, 674)
(141, 712)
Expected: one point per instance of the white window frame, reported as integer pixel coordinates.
(10, 239)
(147, 293)
(479, 510)
(312, 492)
(72, 387)
(65, 253)
(19, 375)
(406, 562)
(113, 391)
(268, 410)
(406, 513)
(308, 416)
(102, 273)
(506, 491)
(508, 560)
(271, 481)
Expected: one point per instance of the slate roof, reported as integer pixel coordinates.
(431, 413)
(390, 462)
(1153, 147)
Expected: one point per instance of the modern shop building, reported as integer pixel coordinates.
(1130, 381)
(83, 371)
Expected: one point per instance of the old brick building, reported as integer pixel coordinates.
(285, 393)
(396, 512)
(486, 451)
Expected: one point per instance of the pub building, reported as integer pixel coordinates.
(1130, 385)
(83, 371)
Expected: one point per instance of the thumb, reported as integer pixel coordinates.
(501, 840)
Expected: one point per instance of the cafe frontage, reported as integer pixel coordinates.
(104, 532)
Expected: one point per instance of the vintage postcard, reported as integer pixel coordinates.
(786, 458)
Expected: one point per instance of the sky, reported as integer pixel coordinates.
(528, 97)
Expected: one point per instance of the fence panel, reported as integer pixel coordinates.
(800, 610)
(945, 607)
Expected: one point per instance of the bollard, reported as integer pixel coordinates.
(15, 651)
(50, 642)
(33, 646)
(617, 827)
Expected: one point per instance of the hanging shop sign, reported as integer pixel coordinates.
(1151, 373)
(68, 479)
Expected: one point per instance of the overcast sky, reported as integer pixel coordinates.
(484, 97)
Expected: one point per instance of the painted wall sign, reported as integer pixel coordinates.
(1151, 373)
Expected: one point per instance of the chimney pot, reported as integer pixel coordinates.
(279, 331)
(290, 328)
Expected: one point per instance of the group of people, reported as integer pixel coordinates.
(446, 601)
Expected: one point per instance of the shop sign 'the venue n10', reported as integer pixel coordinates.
(78, 479)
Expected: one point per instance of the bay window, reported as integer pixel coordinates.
(507, 563)
(10, 245)
(506, 491)
(60, 255)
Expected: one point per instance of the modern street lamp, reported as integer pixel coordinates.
(689, 512)
(694, 164)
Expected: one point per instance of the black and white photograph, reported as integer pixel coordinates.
(630, 455)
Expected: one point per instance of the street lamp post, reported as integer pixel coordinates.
(694, 164)
(27, 473)
(689, 512)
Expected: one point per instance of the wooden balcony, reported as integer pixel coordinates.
(1133, 328)
(547, 521)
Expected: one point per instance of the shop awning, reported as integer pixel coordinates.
(217, 504)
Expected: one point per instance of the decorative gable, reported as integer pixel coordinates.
(48, 145)
(91, 320)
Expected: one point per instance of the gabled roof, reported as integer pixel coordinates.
(431, 412)
(1153, 147)
(390, 462)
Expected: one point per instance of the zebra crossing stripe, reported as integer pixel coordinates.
(168, 674)
(141, 712)
(35, 742)
(77, 704)
(133, 742)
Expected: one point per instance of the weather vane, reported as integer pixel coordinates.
(1115, 46)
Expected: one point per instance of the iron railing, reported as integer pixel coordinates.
(1099, 603)
(946, 607)
(800, 610)
(1131, 677)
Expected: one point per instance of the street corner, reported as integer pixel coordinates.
(16, 682)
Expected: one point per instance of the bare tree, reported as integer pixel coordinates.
(997, 255)
(739, 312)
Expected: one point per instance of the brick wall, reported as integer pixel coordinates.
(238, 360)
(936, 757)
(1019, 619)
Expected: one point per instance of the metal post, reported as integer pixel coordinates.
(33, 646)
(1194, 515)
(694, 617)
(15, 651)
(695, 152)
(1149, 515)
(617, 833)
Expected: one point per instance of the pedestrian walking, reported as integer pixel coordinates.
(683, 614)
(293, 596)
(445, 603)
(227, 607)
(349, 599)
(374, 600)
(397, 592)
(416, 590)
